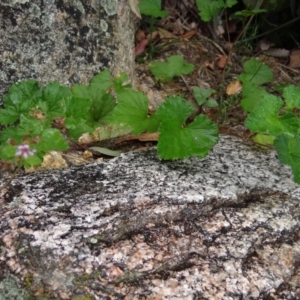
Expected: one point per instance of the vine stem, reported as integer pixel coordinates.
(11, 178)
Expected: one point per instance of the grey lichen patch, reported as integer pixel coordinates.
(103, 25)
(135, 218)
(35, 11)
(110, 6)
(11, 289)
(63, 41)
(12, 2)
(78, 4)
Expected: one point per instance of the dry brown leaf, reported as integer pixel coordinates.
(221, 62)
(233, 88)
(295, 59)
(134, 6)
(165, 34)
(87, 154)
(144, 137)
(141, 47)
(38, 115)
(189, 34)
(6, 166)
(140, 35)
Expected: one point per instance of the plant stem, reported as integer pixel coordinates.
(268, 32)
(11, 178)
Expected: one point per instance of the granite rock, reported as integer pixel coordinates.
(136, 227)
(67, 41)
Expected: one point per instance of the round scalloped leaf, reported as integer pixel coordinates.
(196, 139)
(289, 153)
(256, 72)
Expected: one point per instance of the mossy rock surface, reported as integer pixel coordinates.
(64, 41)
(136, 226)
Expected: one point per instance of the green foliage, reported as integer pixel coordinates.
(31, 111)
(152, 8)
(265, 118)
(288, 152)
(110, 106)
(174, 66)
(202, 97)
(275, 120)
(256, 72)
(132, 109)
(291, 94)
(180, 140)
(208, 9)
(252, 95)
(248, 13)
(107, 105)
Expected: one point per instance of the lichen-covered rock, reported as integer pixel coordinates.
(64, 40)
(135, 227)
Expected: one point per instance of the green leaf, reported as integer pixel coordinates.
(230, 3)
(119, 83)
(19, 105)
(89, 98)
(7, 151)
(105, 151)
(248, 13)
(79, 117)
(174, 109)
(211, 103)
(102, 108)
(77, 127)
(54, 92)
(30, 126)
(201, 95)
(196, 139)
(252, 95)
(132, 110)
(152, 8)
(22, 95)
(256, 72)
(289, 153)
(101, 82)
(98, 102)
(264, 118)
(11, 133)
(291, 95)
(76, 107)
(8, 116)
(51, 104)
(179, 141)
(174, 66)
(33, 161)
(110, 131)
(51, 140)
(209, 8)
(264, 139)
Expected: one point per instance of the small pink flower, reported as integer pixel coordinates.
(24, 150)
